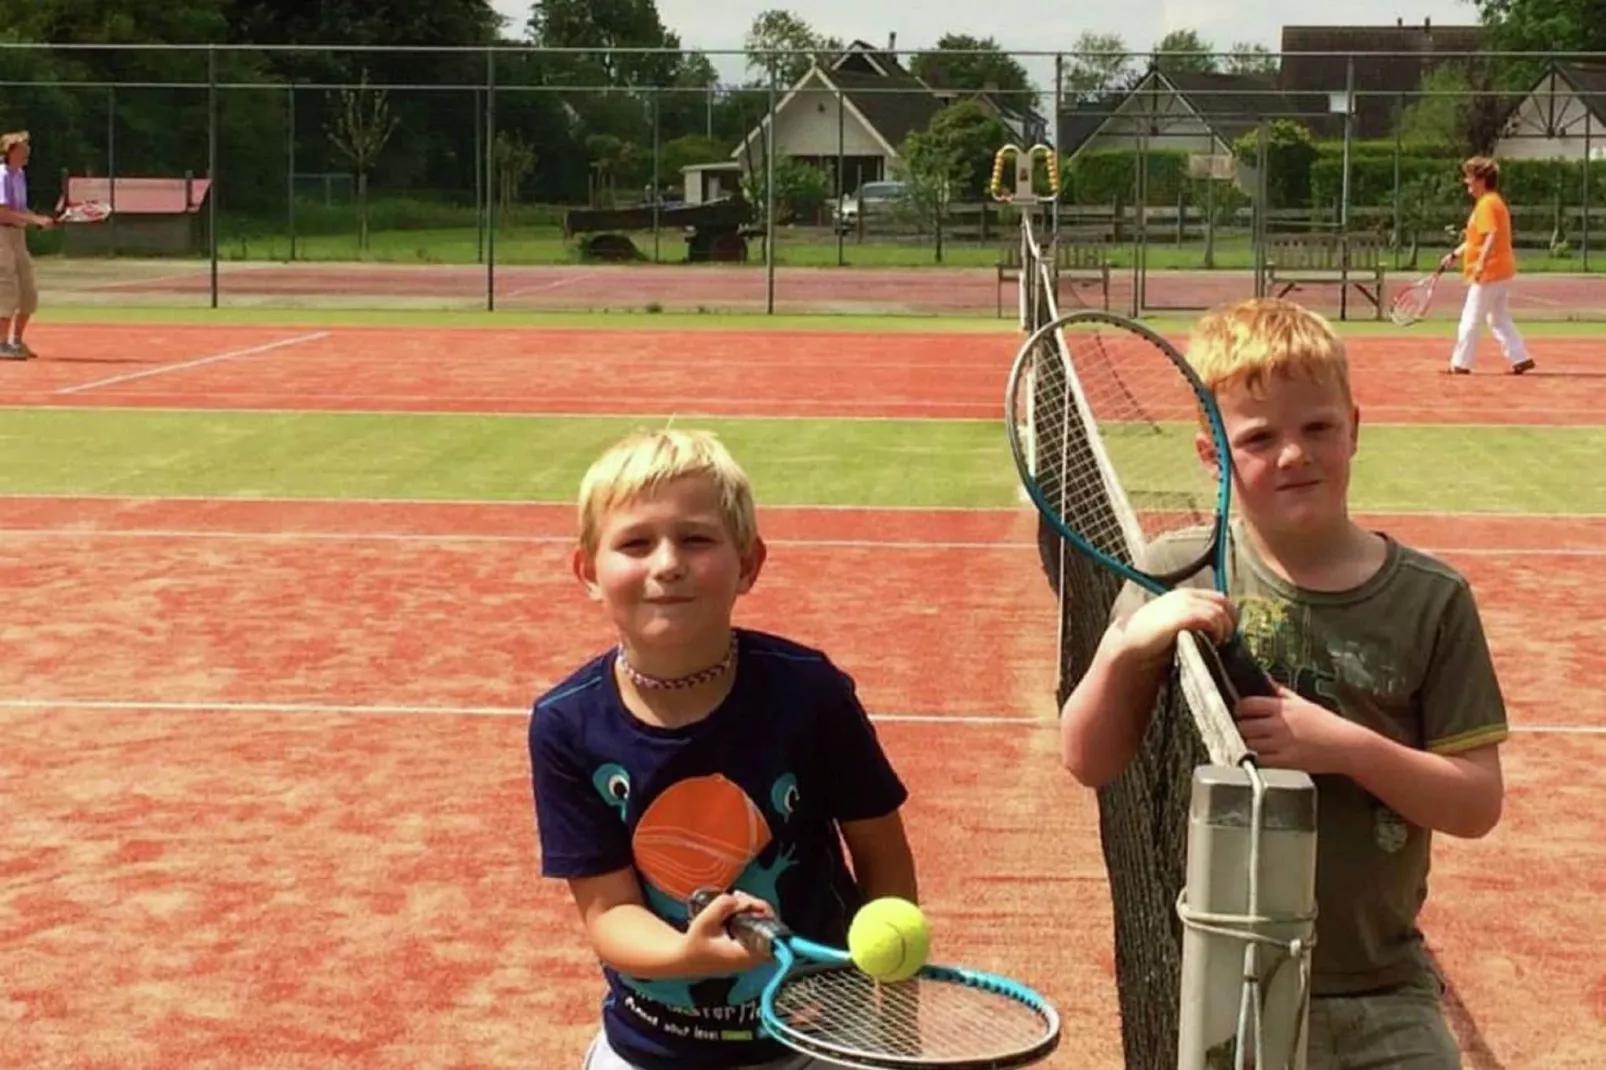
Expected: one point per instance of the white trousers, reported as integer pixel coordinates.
(600, 1056)
(1488, 302)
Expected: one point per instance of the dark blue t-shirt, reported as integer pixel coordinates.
(748, 798)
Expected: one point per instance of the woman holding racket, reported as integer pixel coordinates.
(19, 295)
(1489, 265)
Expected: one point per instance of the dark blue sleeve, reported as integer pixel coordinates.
(580, 834)
(860, 781)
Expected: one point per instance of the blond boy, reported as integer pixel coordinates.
(19, 294)
(691, 740)
(1387, 694)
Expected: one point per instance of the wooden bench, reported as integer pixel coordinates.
(1355, 261)
(1082, 264)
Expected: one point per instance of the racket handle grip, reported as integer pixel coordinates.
(753, 931)
(1243, 672)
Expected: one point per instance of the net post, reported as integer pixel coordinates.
(1220, 949)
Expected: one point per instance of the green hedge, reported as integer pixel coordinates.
(1425, 172)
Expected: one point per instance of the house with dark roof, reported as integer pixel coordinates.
(1204, 113)
(1562, 117)
(859, 110)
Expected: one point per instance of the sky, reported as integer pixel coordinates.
(1023, 25)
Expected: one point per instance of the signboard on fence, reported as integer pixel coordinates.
(1211, 165)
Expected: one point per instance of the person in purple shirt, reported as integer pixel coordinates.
(19, 295)
(696, 754)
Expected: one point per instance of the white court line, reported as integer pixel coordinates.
(164, 369)
(555, 503)
(446, 537)
(537, 539)
(432, 711)
(982, 720)
(549, 285)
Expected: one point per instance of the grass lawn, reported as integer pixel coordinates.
(887, 463)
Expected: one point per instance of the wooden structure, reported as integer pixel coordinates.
(1353, 261)
(151, 216)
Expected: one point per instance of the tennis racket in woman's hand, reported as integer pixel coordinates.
(943, 1018)
(85, 212)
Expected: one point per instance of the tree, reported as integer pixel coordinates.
(1170, 53)
(1100, 64)
(1543, 25)
(361, 127)
(512, 160)
(1246, 58)
(988, 66)
(604, 28)
(777, 30)
(1439, 118)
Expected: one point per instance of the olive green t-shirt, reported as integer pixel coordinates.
(1403, 654)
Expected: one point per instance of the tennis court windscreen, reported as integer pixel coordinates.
(1143, 814)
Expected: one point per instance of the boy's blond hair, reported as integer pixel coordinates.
(1246, 343)
(646, 460)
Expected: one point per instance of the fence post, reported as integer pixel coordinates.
(111, 162)
(769, 193)
(290, 166)
(211, 162)
(841, 177)
(490, 180)
(1583, 240)
(657, 95)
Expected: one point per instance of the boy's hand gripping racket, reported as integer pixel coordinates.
(1145, 405)
(85, 212)
(943, 1018)
(1411, 303)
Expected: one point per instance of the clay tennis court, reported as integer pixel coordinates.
(265, 788)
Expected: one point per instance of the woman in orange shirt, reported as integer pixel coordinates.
(1489, 265)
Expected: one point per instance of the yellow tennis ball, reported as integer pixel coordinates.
(889, 939)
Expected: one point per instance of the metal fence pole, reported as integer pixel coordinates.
(111, 161)
(211, 164)
(290, 167)
(769, 195)
(841, 177)
(490, 181)
(1583, 240)
(657, 94)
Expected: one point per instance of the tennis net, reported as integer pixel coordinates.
(1143, 814)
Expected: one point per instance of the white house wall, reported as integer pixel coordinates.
(1171, 123)
(807, 126)
(1546, 129)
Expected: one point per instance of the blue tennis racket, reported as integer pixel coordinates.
(1100, 409)
(943, 1018)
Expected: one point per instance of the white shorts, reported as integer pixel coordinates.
(600, 1056)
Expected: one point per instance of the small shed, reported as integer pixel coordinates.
(150, 216)
(704, 182)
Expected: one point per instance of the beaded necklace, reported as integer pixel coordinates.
(678, 683)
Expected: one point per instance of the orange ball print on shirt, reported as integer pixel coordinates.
(699, 833)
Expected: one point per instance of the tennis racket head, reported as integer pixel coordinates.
(1118, 443)
(943, 1018)
(1411, 303)
(85, 212)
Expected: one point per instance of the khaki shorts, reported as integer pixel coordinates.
(19, 295)
(1404, 1027)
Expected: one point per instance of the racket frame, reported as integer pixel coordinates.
(1235, 669)
(68, 213)
(1427, 283)
(797, 957)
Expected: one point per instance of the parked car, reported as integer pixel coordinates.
(872, 198)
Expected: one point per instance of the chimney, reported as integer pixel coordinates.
(892, 43)
(1399, 23)
(1427, 24)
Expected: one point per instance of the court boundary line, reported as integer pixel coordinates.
(178, 534)
(772, 507)
(1430, 425)
(383, 710)
(403, 710)
(183, 365)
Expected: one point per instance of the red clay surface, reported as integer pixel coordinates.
(806, 373)
(722, 287)
(238, 836)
